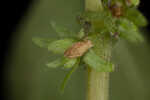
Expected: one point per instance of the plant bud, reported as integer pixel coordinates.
(116, 10)
(132, 2)
(128, 2)
(78, 49)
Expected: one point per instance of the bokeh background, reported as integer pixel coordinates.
(27, 77)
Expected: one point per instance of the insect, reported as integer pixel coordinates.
(78, 49)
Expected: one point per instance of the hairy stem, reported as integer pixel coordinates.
(98, 82)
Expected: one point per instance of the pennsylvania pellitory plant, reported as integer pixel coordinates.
(117, 19)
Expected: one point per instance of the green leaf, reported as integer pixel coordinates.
(129, 31)
(135, 2)
(55, 63)
(69, 62)
(42, 42)
(81, 33)
(97, 63)
(62, 31)
(63, 61)
(59, 46)
(67, 77)
(136, 17)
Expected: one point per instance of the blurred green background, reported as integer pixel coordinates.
(30, 79)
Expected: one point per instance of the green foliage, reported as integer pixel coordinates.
(81, 33)
(62, 62)
(69, 74)
(129, 31)
(65, 63)
(62, 32)
(55, 63)
(135, 2)
(126, 27)
(132, 2)
(59, 46)
(42, 42)
(135, 16)
(101, 21)
(97, 63)
(69, 63)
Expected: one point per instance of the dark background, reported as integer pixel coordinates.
(22, 62)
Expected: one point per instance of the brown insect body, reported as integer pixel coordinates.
(78, 49)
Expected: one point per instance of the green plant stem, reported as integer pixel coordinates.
(98, 82)
(97, 85)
